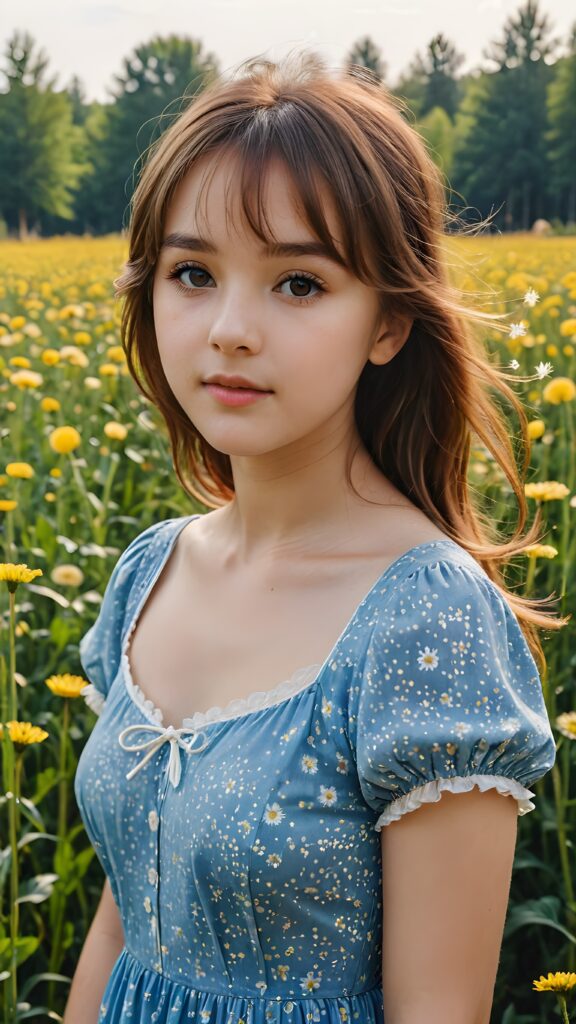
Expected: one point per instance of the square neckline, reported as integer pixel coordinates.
(203, 719)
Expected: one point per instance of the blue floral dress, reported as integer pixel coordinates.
(243, 848)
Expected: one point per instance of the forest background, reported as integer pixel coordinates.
(504, 133)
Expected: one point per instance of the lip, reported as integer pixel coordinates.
(235, 396)
(233, 381)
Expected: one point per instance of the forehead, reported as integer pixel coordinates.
(212, 199)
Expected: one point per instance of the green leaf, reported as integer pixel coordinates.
(30, 837)
(31, 812)
(543, 912)
(26, 945)
(30, 983)
(45, 781)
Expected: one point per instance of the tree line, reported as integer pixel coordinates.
(504, 134)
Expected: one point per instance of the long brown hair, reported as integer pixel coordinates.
(416, 414)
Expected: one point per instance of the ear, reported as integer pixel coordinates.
(393, 333)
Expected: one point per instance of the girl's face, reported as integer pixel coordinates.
(300, 326)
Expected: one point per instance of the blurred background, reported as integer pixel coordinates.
(85, 87)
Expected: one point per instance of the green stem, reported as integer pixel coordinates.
(566, 765)
(59, 896)
(79, 480)
(100, 529)
(63, 784)
(563, 851)
(530, 575)
(14, 884)
(13, 703)
(563, 1010)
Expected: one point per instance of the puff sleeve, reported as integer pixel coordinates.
(100, 647)
(449, 696)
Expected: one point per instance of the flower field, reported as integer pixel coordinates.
(85, 465)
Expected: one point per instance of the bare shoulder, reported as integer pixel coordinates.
(399, 525)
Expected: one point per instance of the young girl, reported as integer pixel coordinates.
(320, 710)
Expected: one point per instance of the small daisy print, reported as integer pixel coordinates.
(428, 659)
(273, 814)
(310, 983)
(327, 796)
(309, 764)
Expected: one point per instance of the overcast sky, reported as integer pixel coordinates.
(90, 39)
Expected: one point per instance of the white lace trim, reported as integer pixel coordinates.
(431, 792)
(300, 680)
(94, 699)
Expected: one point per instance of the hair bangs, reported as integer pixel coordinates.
(250, 159)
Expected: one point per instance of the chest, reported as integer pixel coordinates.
(205, 638)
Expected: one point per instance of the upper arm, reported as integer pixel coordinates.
(108, 915)
(446, 872)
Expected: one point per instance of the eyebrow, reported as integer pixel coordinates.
(271, 249)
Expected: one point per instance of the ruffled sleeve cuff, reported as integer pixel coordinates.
(431, 792)
(94, 699)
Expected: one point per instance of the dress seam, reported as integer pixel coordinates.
(252, 998)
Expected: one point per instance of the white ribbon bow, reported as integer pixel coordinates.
(165, 733)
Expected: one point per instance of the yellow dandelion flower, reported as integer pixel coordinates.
(23, 734)
(560, 389)
(21, 470)
(550, 302)
(546, 490)
(8, 505)
(82, 338)
(70, 311)
(3, 479)
(535, 429)
(518, 282)
(64, 440)
(568, 327)
(551, 350)
(48, 404)
(566, 724)
(67, 575)
(108, 370)
(17, 322)
(50, 356)
(21, 361)
(541, 551)
(14, 573)
(65, 685)
(116, 354)
(56, 471)
(568, 350)
(96, 291)
(115, 431)
(560, 981)
(26, 379)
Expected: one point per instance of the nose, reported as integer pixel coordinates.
(237, 324)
